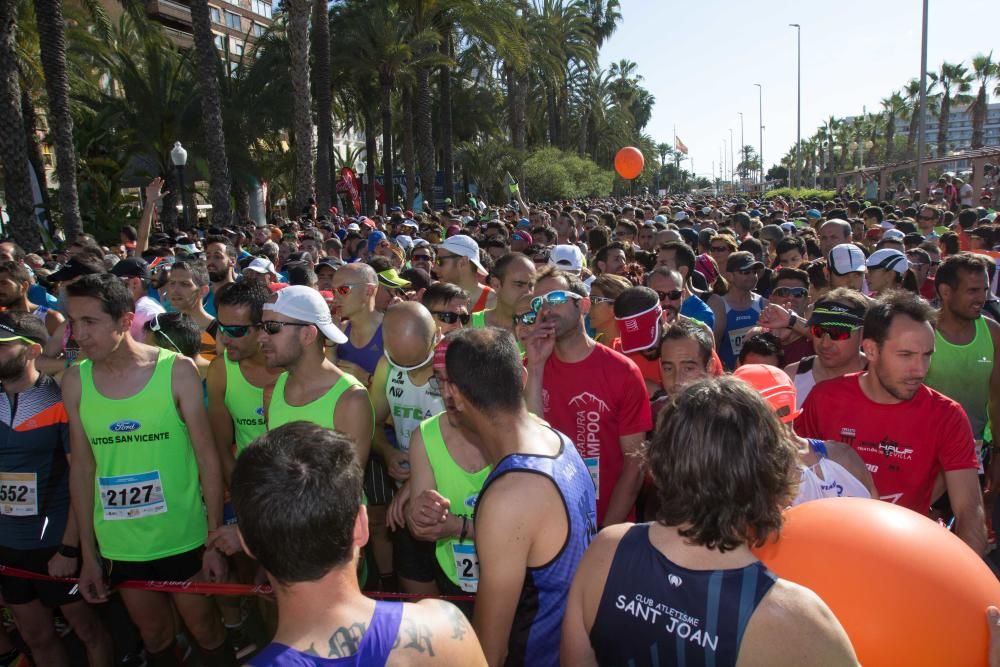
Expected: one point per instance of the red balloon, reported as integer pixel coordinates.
(907, 591)
(629, 162)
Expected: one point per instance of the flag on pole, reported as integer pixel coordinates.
(679, 145)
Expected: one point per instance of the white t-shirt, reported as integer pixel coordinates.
(965, 194)
(145, 310)
(837, 482)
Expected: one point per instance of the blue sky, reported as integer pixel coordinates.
(701, 61)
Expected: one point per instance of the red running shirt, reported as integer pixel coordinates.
(904, 445)
(595, 402)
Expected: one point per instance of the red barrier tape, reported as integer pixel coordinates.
(208, 588)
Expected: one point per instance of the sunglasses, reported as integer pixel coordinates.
(236, 330)
(672, 295)
(345, 289)
(526, 319)
(400, 367)
(451, 318)
(154, 325)
(421, 258)
(818, 331)
(794, 292)
(274, 327)
(553, 298)
(600, 299)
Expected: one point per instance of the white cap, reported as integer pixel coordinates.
(846, 258)
(893, 235)
(888, 258)
(305, 304)
(403, 241)
(353, 227)
(261, 265)
(680, 215)
(567, 257)
(464, 246)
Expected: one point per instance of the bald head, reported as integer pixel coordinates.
(358, 272)
(409, 333)
(832, 233)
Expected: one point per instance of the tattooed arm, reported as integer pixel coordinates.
(435, 632)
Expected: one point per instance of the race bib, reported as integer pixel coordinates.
(132, 496)
(466, 566)
(18, 494)
(594, 468)
(736, 337)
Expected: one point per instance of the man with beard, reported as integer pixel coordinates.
(907, 433)
(15, 281)
(38, 531)
(293, 329)
(588, 391)
(220, 260)
(512, 277)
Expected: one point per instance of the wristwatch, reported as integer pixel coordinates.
(792, 320)
(69, 551)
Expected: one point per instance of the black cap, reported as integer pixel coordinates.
(74, 268)
(742, 261)
(30, 328)
(133, 267)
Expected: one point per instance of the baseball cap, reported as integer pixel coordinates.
(521, 235)
(788, 227)
(774, 385)
(353, 227)
(829, 312)
(893, 235)
(567, 257)
(772, 233)
(814, 214)
(374, 239)
(888, 258)
(306, 305)
(846, 258)
(660, 218)
(742, 261)
(390, 278)
(261, 265)
(332, 262)
(131, 267)
(680, 215)
(30, 330)
(464, 246)
(524, 222)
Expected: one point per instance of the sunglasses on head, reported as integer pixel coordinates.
(795, 292)
(554, 298)
(154, 325)
(236, 330)
(450, 318)
(526, 319)
(672, 295)
(834, 333)
(274, 327)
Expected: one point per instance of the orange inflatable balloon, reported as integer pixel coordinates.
(629, 162)
(907, 591)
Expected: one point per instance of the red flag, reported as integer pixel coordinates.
(350, 182)
(679, 145)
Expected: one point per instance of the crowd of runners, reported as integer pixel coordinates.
(573, 420)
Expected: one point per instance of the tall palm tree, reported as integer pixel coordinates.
(52, 37)
(207, 61)
(13, 150)
(324, 114)
(893, 106)
(298, 40)
(984, 71)
(955, 84)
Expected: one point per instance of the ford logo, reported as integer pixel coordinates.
(124, 426)
(471, 500)
(260, 411)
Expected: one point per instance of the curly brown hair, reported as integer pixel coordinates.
(724, 467)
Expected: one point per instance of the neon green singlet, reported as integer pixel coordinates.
(462, 489)
(245, 403)
(478, 320)
(147, 498)
(318, 412)
(962, 373)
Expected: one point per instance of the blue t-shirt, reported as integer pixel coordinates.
(697, 309)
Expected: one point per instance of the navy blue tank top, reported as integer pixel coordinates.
(373, 651)
(534, 636)
(367, 356)
(655, 612)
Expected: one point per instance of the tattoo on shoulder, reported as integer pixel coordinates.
(416, 636)
(345, 640)
(459, 623)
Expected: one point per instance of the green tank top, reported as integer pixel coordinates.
(318, 412)
(962, 373)
(147, 496)
(478, 320)
(462, 489)
(245, 403)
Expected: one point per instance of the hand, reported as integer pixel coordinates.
(540, 343)
(355, 370)
(93, 588)
(774, 317)
(395, 517)
(450, 527)
(62, 566)
(398, 464)
(225, 539)
(153, 193)
(993, 618)
(214, 567)
(429, 508)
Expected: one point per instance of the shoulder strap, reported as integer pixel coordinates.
(381, 635)
(805, 365)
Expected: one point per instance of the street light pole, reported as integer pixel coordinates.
(798, 112)
(743, 155)
(760, 149)
(732, 161)
(921, 130)
(179, 157)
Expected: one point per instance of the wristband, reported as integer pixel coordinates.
(793, 318)
(68, 551)
(465, 529)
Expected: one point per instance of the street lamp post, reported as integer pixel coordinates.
(179, 157)
(760, 149)
(732, 162)
(743, 155)
(921, 129)
(798, 105)
(359, 168)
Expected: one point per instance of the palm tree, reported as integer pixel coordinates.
(604, 18)
(207, 60)
(298, 40)
(52, 38)
(893, 106)
(324, 114)
(955, 84)
(984, 70)
(13, 149)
